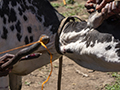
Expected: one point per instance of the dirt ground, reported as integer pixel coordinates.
(74, 77)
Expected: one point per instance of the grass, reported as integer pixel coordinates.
(77, 9)
(70, 1)
(71, 8)
(116, 85)
(56, 5)
(27, 83)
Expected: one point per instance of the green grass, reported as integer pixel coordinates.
(77, 9)
(27, 83)
(116, 85)
(70, 1)
(56, 5)
(71, 8)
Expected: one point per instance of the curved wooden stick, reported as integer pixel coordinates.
(24, 52)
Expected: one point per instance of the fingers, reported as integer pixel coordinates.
(98, 1)
(111, 9)
(90, 7)
(91, 10)
(9, 55)
(6, 56)
(91, 1)
(102, 4)
(4, 59)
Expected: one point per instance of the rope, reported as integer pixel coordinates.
(50, 63)
(40, 41)
(22, 46)
(64, 2)
(17, 48)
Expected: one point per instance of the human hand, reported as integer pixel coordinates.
(101, 4)
(104, 7)
(112, 8)
(91, 5)
(4, 59)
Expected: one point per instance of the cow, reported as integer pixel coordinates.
(23, 22)
(94, 44)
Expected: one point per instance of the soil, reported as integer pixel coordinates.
(74, 77)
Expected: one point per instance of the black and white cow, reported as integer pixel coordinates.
(23, 21)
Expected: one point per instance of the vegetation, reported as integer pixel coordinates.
(70, 1)
(56, 5)
(75, 10)
(71, 9)
(116, 85)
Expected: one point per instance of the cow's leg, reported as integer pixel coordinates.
(15, 82)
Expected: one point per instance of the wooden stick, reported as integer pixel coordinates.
(60, 72)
